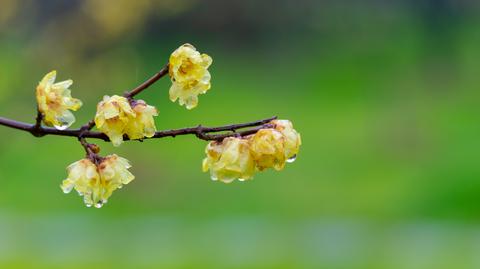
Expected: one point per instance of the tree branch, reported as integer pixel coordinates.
(147, 83)
(200, 131)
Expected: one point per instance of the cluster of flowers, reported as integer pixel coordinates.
(95, 178)
(240, 157)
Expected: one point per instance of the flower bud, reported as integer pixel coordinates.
(94, 148)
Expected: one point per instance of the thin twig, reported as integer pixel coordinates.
(148, 82)
(200, 131)
(90, 154)
(38, 123)
(38, 119)
(220, 137)
(88, 126)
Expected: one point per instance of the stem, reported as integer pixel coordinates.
(88, 126)
(38, 119)
(147, 83)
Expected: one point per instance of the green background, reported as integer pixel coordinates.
(385, 96)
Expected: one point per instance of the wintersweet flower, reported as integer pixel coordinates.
(55, 101)
(292, 138)
(96, 183)
(267, 147)
(113, 115)
(188, 71)
(143, 125)
(229, 160)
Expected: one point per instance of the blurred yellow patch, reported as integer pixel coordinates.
(8, 10)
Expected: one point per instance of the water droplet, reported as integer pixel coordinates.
(292, 159)
(88, 205)
(67, 189)
(214, 178)
(99, 204)
(241, 179)
(61, 127)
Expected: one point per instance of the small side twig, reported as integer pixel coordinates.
(38, 119)
(220, 137)
(87, 126)
(147, 83)
(91, 150)
(38, 124)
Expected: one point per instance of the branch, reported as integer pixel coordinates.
(148, 82)
(201, 132)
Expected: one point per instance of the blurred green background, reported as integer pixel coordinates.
(384, 93)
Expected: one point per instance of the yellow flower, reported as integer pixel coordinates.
(96, 183)
(113, 115)
(189, 75)
(229, 160)
(55, 102)
(143, 125)
(268, 149)
(292, 138)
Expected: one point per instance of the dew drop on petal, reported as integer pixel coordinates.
(88, 205)
(67, 189)
(241, 179)
(61, 127)
(213, 177)
(99, 204)
(292, 159)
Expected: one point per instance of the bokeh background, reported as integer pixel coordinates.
(384, 93)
